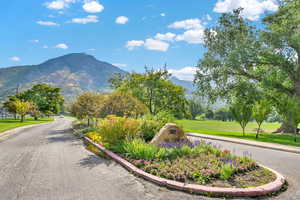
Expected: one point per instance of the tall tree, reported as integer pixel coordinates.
(87, 106)
(154, 90)
(48, 99)
(22, 108)
(260, 111)
(266, 58)
(242, 112)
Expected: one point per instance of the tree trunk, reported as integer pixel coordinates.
(35, 118)
(22, 118)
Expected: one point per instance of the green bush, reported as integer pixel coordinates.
(139, 149)
(114, 129)
(226, 171)
(148, 129)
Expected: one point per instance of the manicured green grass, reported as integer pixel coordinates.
(233, 129)
(7, 124)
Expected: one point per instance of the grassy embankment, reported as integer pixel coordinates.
(232, 129)
(7, 124)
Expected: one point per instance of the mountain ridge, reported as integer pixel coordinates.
(74, 73)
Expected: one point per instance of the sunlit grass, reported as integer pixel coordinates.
(232, 129)
(7, 124)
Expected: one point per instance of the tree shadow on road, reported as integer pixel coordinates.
(62, 136)
(92, 161)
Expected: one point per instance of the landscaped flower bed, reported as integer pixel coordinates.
(185, 161)
(195, 162)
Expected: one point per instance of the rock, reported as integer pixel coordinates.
(169, 132)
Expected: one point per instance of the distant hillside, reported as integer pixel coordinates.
(74, 73)
(188, 85)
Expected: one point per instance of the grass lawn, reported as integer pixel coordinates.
(7, 124)
(233, 129)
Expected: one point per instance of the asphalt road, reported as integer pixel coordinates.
(48, 162)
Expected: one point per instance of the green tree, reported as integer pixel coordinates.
(267, 58)
(260, 111)
(22, 108)
(154, 90)
(87, 106)
(290, 110)
(122, 104)
(242, 112)
(196, 107)
(48, 99)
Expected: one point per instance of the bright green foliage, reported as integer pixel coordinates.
(114, 129)
(154, 90)
(226, 171)
(48, 99)
(291, 109)
(148, 129)
(7, 124)
(242, 113)
(260, 111)
(267, 59)
(122, 104)
(87, 106)
(196, 108)
(138, 149)
(22, 108)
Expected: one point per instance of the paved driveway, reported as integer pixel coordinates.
(48, 162)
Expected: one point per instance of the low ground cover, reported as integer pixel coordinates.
(7, 124)
(185, 161)
(232, 129)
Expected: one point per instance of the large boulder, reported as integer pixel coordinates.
(168, 133)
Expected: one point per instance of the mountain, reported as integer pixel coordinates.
(74, 73)
(188, 85)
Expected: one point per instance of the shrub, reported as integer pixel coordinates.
(123, 104)
(148, 129)
(226, 171)
(114, 129)
(138, 149)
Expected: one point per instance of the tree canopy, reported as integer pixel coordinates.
(154, 90)
(240, 56)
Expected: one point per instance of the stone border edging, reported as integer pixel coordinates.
(264, 145)
(199, 189)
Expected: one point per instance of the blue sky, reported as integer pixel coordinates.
(128, 33)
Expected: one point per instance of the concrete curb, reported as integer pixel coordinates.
(265, 145)
(199, 189)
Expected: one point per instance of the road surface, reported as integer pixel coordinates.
(48, 162)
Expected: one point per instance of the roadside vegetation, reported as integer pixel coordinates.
(7, 124)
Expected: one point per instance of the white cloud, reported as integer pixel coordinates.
(45, 47)
(34, 41)
(120, 65)
(91, 49)
(92, 6)
(163, 14)
(88, 19)
(166, 37)
(122, 20)
(187, 24)
(186, 73)
(194, 36)
(15, 59)
(61, 46)
(47, 23)
(252, 8)
(208, 17)
(156, 45)
(59, 4)
(132, 44)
